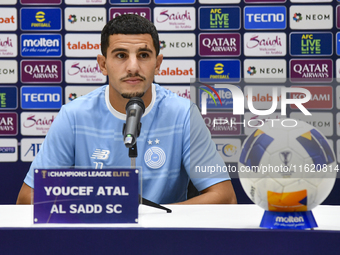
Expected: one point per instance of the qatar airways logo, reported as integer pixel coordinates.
(83, 71)
(175, 18)
(265, 44)
(239, 100)
(41, 71)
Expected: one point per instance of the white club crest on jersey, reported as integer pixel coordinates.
(101, 154)
(154, 157)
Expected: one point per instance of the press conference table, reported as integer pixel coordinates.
(189, 229)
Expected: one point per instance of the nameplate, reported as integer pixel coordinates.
(85, 196)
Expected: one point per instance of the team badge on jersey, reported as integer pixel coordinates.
(154, 157)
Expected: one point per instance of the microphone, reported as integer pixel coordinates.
(135, 108)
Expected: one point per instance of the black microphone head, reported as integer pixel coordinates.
(136, 100)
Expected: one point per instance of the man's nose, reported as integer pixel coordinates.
(133, 65)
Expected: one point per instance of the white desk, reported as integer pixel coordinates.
(182, 216)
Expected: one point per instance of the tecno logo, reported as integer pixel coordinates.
(267, 17)
(177, 71)
(40, 97)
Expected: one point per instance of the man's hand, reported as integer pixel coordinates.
(25, 196)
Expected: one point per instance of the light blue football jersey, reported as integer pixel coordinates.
(87, 132)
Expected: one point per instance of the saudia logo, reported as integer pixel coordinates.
(165, 16)
(6, 43)
(33, 121)
(255, 42)
(76, 69)
(239, 98)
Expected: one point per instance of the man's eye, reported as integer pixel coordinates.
(120, 55)
(144, 55)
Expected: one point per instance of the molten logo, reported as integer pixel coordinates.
(204, 97)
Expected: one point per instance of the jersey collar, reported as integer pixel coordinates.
(123, 116)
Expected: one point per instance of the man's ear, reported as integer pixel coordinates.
(102, 63)
(159, 61)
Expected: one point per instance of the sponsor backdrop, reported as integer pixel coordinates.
(48, 52)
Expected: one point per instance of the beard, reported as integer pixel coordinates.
(133, 94)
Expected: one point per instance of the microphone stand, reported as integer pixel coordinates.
(133, 153)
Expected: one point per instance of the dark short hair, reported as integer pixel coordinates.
(128, 24)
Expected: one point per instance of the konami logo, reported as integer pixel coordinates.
(322, 97)
(176, 71)
(82, 45)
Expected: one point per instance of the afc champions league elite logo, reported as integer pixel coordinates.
(154, 157)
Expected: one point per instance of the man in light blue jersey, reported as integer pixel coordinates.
(87, 132)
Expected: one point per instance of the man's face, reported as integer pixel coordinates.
(130, 64)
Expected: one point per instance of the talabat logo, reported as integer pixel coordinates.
(8, 71)
(85, 19)
(219, 18)
(174, 18)
(265, 70)
(310, 44)
(83, 71)
(36, 123)
(8, 45)
(177, 45)
(176, 71)
(41, 97)
(40, 45)
(219, 44)
(322, 97)
(265, 44)
(145, 12)
(262, 96)
(73, 92)
(8, 19)
(82, 45)
(130, 1)
(41, 71)
(8, 123)
(311, 17)
(266, 17)
(311, 70)
(40, 19)
(8, 98)
(218, 130)
(85, 2)
(239, 100)
(323, 121)
(219, 71)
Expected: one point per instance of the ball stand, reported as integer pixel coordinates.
(288, 220)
